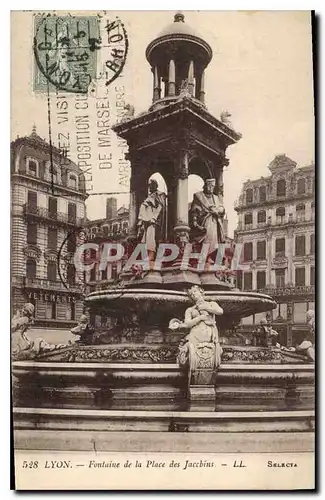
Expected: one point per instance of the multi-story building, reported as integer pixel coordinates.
(48, 204)
(113, 228)
(276, 225)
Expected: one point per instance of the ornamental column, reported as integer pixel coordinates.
(269, 258)
(181, 228)
(138, 192)
(191, 78)
(202, 91)
(289, 253)
(156, 85)
(171, 78)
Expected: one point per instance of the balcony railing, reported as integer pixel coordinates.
(288, 290)
(59, 217)
(280, 221)
(49, 285)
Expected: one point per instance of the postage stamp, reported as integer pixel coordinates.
(163, 250)
(66, 51)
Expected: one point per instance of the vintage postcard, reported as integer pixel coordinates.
(163, 250)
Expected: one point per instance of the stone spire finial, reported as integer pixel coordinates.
(179, 17)
(34, 129)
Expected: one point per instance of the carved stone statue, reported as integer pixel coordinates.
(225, 118)
(20, 323)
(200, 351)
(206, 216)
(184, 89)
(152, 218)
(84, 330)
(307, 346)
(22, 346)
(128, 112)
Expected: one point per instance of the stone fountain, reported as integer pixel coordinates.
(168, 344)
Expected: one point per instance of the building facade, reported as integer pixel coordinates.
(48, 207)
(276, 225)
(113, 228)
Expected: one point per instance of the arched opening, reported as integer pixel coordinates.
(261, 217)
(262, 194)
(195, 184)
(301, 186)
(249, 196)
(300, 212)
(280, 215)
(162, 186)
(198, 167)
(281, 188)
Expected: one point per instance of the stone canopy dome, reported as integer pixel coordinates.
(179, 36)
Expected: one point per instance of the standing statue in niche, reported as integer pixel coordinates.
(152, 219)
(206, 215)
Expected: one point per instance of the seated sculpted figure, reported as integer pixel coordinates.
(200, 320)
(206, 216)
(20, 323)
(151, 219)
(307, 347)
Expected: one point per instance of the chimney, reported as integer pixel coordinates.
(111, 208)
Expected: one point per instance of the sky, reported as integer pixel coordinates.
(261, 72)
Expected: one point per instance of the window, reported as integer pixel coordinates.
(115, 228)
(261, 217)
(52, 238)
(248, 219)
(313, 211)
(103, 275)
(300, 276)
(300, 245)
(301, 186)
(31, 268)
(261, 250)
(300, 211)
(53, 207)
(261, 279)
(31, 234)
(299, 312)
(249, 196)
(73, 182)
(71, 274)
(32, 168)
(51, 271)
(239, 279)
(280, 215)
(125, 226)
(50, 310)
(93, 274)
(280, 247)
(71, 244)
(32, 201)
(262, 193)
(312, 244)
(312, 275)
(105, 230)
(280, 277)
(248, 281)
(72, 213)
(72, 311)
(248, 251)
(281, 188)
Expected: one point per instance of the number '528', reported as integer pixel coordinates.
(30, 465)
